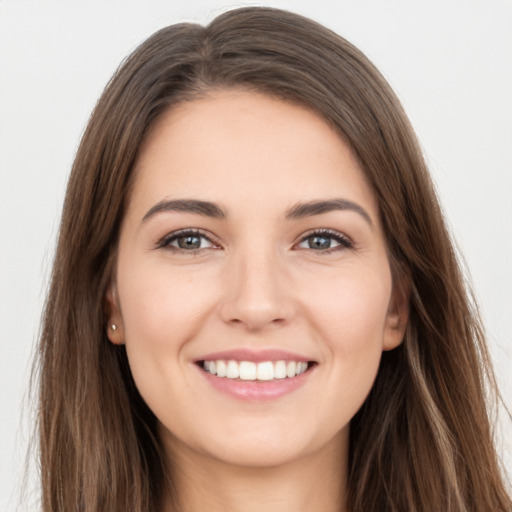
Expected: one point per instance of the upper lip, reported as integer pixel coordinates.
(256, 356)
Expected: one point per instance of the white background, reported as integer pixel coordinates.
(450, 61)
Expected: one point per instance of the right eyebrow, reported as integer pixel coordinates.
(205, 208)
(311, 208)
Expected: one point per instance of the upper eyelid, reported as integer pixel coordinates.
(169, 237)
(325, 231)
(329, 231)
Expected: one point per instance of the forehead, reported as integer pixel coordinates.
(247, 149)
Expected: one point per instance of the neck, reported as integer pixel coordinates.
(315, 482)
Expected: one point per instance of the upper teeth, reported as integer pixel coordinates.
(247, 370)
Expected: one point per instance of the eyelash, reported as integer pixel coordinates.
(343, 241)
(165, 243)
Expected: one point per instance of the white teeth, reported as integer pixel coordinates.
(265, 371)
(280, 370)
(301, 368)
(233, 370)
(247, 370)
(221, 368)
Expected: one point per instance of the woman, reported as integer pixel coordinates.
(255, 301)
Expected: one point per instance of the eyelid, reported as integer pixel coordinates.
(344, 241)
(165, 241)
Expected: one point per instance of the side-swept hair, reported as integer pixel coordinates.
(422, 441)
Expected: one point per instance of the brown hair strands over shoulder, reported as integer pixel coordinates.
(422, 440)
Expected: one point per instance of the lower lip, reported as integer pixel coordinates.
(257, 390)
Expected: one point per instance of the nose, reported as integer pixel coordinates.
(257, 294)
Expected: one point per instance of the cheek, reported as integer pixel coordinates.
(158, 302)
(349, 307)
(349, 314)
(162, 310)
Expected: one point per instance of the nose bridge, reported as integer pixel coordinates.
(256, 295)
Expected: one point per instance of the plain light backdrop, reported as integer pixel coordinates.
(450, 62)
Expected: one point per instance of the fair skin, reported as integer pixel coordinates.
(256, 278)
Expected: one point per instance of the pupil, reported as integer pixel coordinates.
(319, 242)
(189, 242)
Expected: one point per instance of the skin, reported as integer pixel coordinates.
(257, 283)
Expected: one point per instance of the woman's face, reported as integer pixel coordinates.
(252, 251)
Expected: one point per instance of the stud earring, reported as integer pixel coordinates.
(113, 327)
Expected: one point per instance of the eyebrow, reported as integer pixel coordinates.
(311, 208)
(205, 208)
(297, 211)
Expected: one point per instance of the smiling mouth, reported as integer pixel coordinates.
(263, 371)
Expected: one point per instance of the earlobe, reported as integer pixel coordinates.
(397, 318)
(115, 327)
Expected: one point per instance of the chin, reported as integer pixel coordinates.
(256, 445)
(257, 455)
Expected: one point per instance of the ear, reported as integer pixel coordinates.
(115, 326)
(397, 316)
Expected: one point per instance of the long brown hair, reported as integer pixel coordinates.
(422, 441)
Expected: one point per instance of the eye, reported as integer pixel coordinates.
(325, 241)
(189, 240)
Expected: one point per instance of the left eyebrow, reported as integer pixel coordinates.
(301, 210)
(204, 208)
